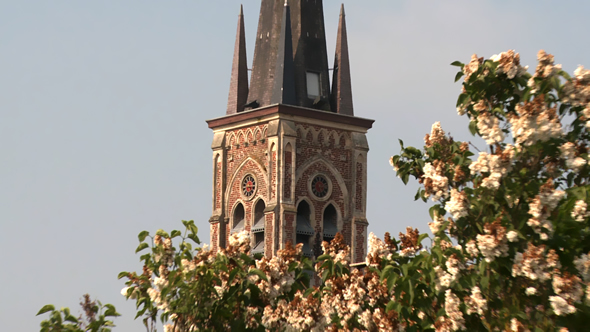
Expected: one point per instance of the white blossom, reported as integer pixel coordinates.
(458, 205)
(512, 236)
(509, 64)
(583, 265)
(453, 311)
(568, 152)
(579, 213)
(531, 291)
(471, 248)
(560, 306)
(476, 303)
(439, 184)
(489, 128)
(496, 165)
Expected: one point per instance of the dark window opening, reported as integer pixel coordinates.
(238, 219)
(258, 228)
(303, 229)
(330, 221)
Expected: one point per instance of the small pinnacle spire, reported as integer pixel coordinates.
(284, 79)
(238, 89)
(341, 97)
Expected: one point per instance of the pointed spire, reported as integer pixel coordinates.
(341, 83)
(238, 88)
(283, 91)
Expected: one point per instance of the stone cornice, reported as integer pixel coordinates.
(291, 113)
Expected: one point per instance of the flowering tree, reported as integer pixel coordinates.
(511, 245)
(517, 213)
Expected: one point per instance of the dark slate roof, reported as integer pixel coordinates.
(308, 48)
(238, 90)
(283, 88)
(341, 96)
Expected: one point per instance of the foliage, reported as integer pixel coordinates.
(94, 320)
(511, 246)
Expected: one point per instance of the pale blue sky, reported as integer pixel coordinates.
(103, 107)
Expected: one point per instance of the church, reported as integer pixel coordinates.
(289, 155)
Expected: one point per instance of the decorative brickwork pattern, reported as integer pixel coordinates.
(312, 150)
(289, 227)
(361, 238)
(358, 199)
(218, 179)
(288, 171)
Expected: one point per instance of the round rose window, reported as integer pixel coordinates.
(248, 186)
(319, 186)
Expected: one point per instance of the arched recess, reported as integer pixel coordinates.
(262, 182)
(257, 134)
(231, 139)
(249, 136)
(241, 137)
(334, 172)
(238, 220)
(303, 230)
(259, 227)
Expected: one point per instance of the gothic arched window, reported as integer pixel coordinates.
(303, 229)
(330, 222)
(258, 228)
(238, 219)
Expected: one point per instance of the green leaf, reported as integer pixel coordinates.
(141, 247)
(175, 233)
(194, 229)
(462, 98)
(195, 238)
(457, 64)
(111, 311)
(405, 270)
(458, 76)
(390, 306)
(45, 309)
(411, 291)
(162, 233)
(122, 274)
(143, 235)
(232, 275)
(422, 237)
(391, 280)
(386, 272)
(401, 143)
(473, 128)
(258, 273)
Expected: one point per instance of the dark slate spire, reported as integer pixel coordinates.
(309, 54)
(238, 88)
(341, 97)
(283, 90)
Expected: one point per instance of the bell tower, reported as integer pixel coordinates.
(289, 156)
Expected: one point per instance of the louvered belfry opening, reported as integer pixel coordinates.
(304, 231)
(258, 228)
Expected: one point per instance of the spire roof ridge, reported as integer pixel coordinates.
(283, 91)
(341, 96)
(238, 90)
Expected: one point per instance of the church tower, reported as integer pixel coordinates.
(289, 156)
